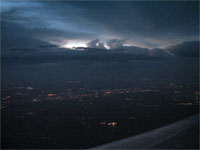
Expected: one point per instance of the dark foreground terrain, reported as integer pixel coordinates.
(74, 115)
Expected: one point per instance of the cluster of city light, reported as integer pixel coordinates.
(112, 124)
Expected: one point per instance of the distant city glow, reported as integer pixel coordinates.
(50, 95)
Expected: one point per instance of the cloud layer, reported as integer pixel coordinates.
(148, 24)
(121, 32)
(186, 49)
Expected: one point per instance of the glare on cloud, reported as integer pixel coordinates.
(72, 44)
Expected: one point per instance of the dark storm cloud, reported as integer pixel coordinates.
(162, 53)
(151, 23)
(186, 49)
(39, 21)
(79, 57)
(114, 24)
(82, 54)
(16, 36)
(47, 46)
(135, 50)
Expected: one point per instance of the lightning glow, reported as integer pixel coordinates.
(74, 44)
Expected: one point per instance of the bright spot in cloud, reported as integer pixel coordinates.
(72, 44)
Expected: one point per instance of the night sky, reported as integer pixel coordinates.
(142, 37)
